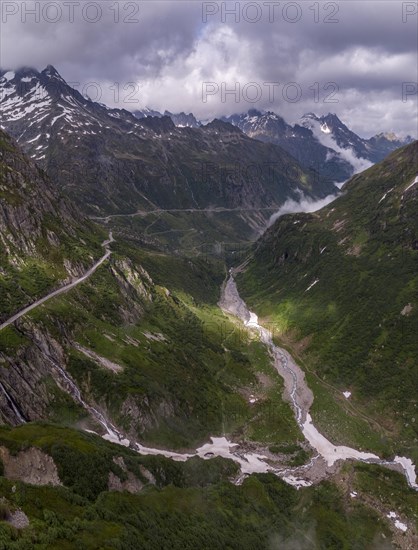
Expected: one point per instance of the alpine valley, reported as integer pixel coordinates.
(143, 403)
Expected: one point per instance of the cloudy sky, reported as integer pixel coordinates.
(355, 58)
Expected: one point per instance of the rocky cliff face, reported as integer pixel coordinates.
(28, 202)
(44, 242)
(31, 466)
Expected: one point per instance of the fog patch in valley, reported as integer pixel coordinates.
(305, 204)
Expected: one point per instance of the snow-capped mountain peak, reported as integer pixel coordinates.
(37, 105)
(324, 143)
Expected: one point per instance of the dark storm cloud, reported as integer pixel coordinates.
(369, 52)
(138, 38)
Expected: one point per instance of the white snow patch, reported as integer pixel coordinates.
(34, 139)
(114, 439)
(311, 285)
(9, 75)
(330, 452)
(6, 91)
(297, 482)
(54, 120)
(412, 184)
(39, 119)
(220, 446)
(409, 468)
(398, 524)
(385, 195)
(325, 128)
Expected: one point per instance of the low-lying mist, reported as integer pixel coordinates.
(305, 204)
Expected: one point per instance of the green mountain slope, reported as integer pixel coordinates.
(341, 285)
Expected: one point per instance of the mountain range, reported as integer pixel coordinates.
(135, 410)
(112, 160)
(109, 161)
(323, 143)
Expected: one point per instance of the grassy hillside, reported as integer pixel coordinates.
(186, 372)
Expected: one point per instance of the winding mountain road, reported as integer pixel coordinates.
(64, 288)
